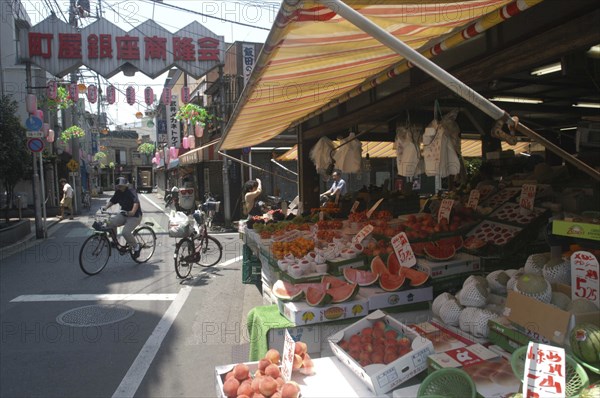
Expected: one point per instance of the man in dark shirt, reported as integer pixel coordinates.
(127, 198)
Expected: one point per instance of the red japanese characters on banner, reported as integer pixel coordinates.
(130, 95)
(92, 93)
(185, 94)
(51, 89)
(148, 95)
(166, 96)
(111, 94)
(73, 92)
(585, 281)
(545, 371)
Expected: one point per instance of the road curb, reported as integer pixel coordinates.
(22, 244)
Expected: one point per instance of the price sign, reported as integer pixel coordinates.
(363, 233)
(287, 357)
(545, 371)
(294, 203)
(474, 199)
(321, 215)
(584, 277)
(372, 209)
(402, 248)
(445, 209)
(527, 197)
(354, 206)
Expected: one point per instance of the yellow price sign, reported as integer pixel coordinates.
(73, 165)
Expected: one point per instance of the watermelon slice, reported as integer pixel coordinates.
(333, 281)
(454, 241)
(416, 277)
(378, 266)
(391, 283)
(393, 264)
(440, 253)
(340, 294)
(474, 243)
(287, 291)
(417, 248)
(316, 296)
(363, 278)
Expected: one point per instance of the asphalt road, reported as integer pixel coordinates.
(132, 330)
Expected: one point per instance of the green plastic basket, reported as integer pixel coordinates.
(449, 383)
(576, 379)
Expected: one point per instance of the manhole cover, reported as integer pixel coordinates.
(95, 315)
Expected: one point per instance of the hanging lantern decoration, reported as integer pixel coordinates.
(31, 103)
(45, 129)
(92, 93)
(50, 137)
(192, 142)
(173, 152)
(81, 88)
(199, 130)
(111, 94)
(185, 142)
(130, 94)
(39, 114)
(104, 131)
(73, 92)
(148, 95)
(185, 94)
(150, 124)
(51, 89)
(166, 96)
(157, 155)
(139, 115)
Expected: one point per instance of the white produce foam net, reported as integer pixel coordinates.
(535, 263)
(450, 312)
(497, 281)
(439, 301)
(473, 295)
(557, 271)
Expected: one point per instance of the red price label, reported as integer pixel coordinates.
(445, 209)
(363, 233)
(402, 248)
(544, 372)
(527, 196)
(473, 199)
(584, 277)
(287, 357)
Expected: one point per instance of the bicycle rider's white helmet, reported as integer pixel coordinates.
(174, 189)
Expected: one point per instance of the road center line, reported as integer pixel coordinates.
(140, 366)
(228, 262)
(93, 297)
(153, 203)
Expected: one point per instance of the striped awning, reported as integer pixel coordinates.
(195, 155)
(377, 149)
(314, 59)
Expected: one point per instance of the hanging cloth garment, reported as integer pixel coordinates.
(348, 156)
(320, 154)
(408, 156)
(440, 157)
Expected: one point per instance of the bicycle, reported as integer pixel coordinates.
(97, 249)
(86, 200)
(200, 247)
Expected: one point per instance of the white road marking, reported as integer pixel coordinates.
(228, 262)
(140, 366)
(155, 205)
(93, 297)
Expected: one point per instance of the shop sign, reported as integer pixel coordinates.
(445, 210)
(585, 283)
(248, 60)
(527, 197)
(59, 48)
(173, 128)
(402, 248)
(473, 199)
(545, 371)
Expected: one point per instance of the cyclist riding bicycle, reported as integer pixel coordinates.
(127, 198)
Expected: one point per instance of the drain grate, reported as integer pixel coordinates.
(95, 315)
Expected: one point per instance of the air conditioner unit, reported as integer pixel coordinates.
(588, 136)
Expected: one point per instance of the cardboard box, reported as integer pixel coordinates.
(337, 265)
(378, 377)
(311, 335)
(442, 338)
(576, 229)
(303, 314)
(379, 298)
(505, 334)
(461, 263)
(546, 320)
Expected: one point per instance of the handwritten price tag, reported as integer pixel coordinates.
(372, 209)
(584, 277)
(321, 216)
(287, 357)
(545, 371)
(527, 196)
(445, 209)
(363, 233)
(474, 199)
(402, 248)
(354, 206)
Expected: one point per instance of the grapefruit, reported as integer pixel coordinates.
(287, 291)
(391, 283)
(378, 266)
(340, 294)
(363, 278)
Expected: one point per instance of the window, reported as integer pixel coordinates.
(120, 156)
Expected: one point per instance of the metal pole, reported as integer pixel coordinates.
(451, 82)
(222, 153)
(39, 227)
(42, 182)
(226, 194)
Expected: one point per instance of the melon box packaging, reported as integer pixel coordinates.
(443, 339)
(303, 314)
(379, 298)
(544, 319)
(507, 336)
(460, 264)
(382, 378)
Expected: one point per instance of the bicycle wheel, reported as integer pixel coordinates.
(94, 254)
(146, 237)
(210, 250)
(184, 257)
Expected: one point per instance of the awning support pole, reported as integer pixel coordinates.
(255, 167)
(283, 167)
(451, 82)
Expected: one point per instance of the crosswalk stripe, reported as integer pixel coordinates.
(94, 297)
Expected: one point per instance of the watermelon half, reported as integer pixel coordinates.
(363, 278)
(391, 283)
(416, 277)
(439, 253)
(454, 241)
(340, 294)
(287, 291)
(316, 296)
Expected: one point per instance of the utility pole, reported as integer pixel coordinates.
(39, 225)
(75, 140)
(226, 198)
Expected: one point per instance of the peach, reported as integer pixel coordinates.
(297, 362)
(379, 325)
(354, 339)
(389, 357)
(368, 348)
(245, 389)
(404, 342)
(343, 345)
(300, 348)
(273, 356)
(308, 366)
(391, 334)
(378, 333)
(241, 371)
(229, 375)
(290, 390)
(255, 383)
(365, 362)
(230, 387)
(377, 357)
(365, 338)
(273, 371)
(267, 386)
(262, 365)
(280, 382)
(366, 332)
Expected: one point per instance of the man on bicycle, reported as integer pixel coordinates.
(127, 198)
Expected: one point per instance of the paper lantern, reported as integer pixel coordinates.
(192, 142)
(166, 96)
(50, 137)
(81, 88)
(148, 95)
(130, 95)
(39, 114)
(92, 93)
(154, 160)
(31, 103)
(51, 89)
(173, 152)
(185, 94)
(199, 130)
(111, 95)
(157, 155)
(45, 128)
(73, 92)
(139, 115)
(185, 142)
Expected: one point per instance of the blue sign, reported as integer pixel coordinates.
(35, 145)
(33, 123)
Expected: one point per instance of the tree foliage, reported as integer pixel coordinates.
(15, 159)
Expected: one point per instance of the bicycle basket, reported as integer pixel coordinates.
(100, 221)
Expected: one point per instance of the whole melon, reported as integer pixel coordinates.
(476, 279)
(560, 300)
(473, 295)
(497, 281)
(585, 342)
(557, 271)
(466, 318)
(535, 263)
(510, 285)
(580, 305)
(535, 286)
(479, 322)
(450, 312)
(439, 301)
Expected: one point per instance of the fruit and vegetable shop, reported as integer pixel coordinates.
(461, 258)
